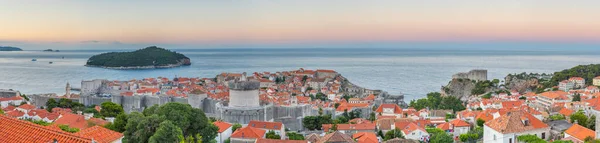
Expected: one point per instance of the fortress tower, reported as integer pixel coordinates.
(244, 94)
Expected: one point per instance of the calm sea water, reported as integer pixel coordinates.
(412, 72)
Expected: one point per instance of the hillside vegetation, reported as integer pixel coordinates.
(588, 72)
(150, 56)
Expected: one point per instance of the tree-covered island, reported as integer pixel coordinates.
(147, 58)
(8, 48)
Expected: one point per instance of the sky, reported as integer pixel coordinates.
(223, 23)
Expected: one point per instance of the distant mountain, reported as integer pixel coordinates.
(147, 58)
(8, 48)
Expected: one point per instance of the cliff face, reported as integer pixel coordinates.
(460, 88)
(521, 84)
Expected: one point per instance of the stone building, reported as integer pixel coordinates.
(244, 104)
(476, 75)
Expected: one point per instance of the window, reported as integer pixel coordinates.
(494, 137)
(543, 135)
(509, 140)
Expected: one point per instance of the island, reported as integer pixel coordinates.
(50, 50)
(8, 48)
(148, 58)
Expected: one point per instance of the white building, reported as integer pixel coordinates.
(509, 126)
(276, 127)
(225, 131)
(15, 100)
(390, 110)
(566, 85)
(578, 82)
(596, 81)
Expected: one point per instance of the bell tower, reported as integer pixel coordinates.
(68, 90)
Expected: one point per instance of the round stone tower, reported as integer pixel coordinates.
(244, 94)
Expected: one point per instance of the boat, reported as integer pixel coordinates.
(50, 62)
(33, 60)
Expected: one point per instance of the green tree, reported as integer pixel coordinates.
(272, 135)
(441, 137)
(167, 133)
(235, 127)
(66, 128)
(576, 97)
(480, 122)
(310, 122)
(190, 120)
(380, 134)
(120, 122)
(151, 110)
(372, 116)
(147, 127)
(556, 117)
(530, 139)
(50, 104)
(580, 118)
(110, 109)
(1, 112)
(395, 133)
(294, 136)
(132, 122)
(591, 124)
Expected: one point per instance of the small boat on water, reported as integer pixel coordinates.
(50, 62)
(33, 60)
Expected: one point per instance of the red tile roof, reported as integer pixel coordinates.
(222, 125)
(249, 132)
(78, 121)
(11, 98)
(27, 107)
(566, 112)
(397, 109)
(365, 137)
(512, 122)
(16, 131)
(100, 134)
(279, 141)
(266, 125)
(365, 126)
(455, 123)
(580, 132)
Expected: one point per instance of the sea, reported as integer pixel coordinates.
(412, 72)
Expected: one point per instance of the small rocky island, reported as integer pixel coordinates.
(8, 48)
(147, 58)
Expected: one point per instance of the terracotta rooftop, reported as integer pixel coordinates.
(100, 134)
(364, 126)
(366, 137)
(455, 123)
(78, 121)
(513, 122)
(266, 125)
(249, 132)
(397, 109)
(17, 131)
(580, 132)
(336, 137)
(279, 141)
(26, 107)
(222, 125)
